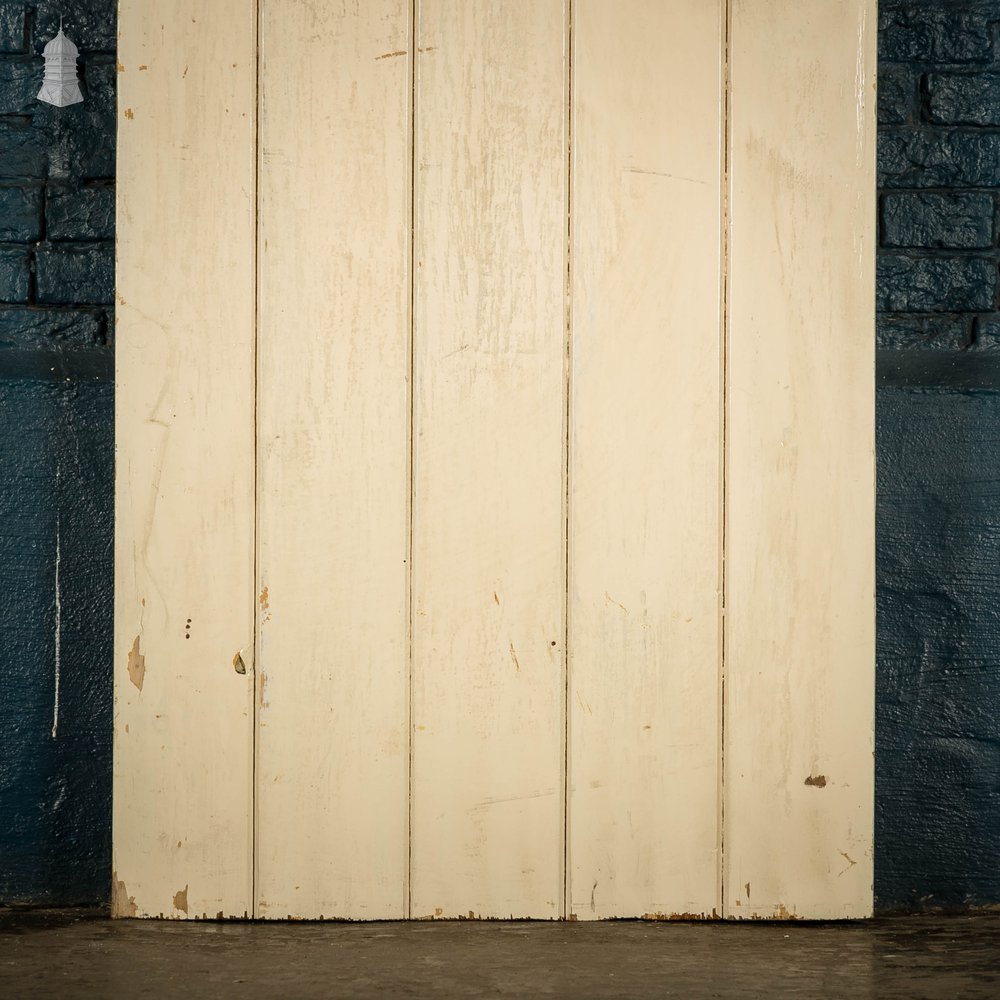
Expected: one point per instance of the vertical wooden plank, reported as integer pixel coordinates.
(800, 503)
(645, 541)
(333, 410)
(185, 458)
(488, 525)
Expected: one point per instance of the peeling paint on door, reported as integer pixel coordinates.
(136, 664)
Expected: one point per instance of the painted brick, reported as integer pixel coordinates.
(929, 284)
(82, 214)
(81, 275)
(23, 327)
(12, 22)
(917, 158)
(89, 23)
(56, 402)
(934, 332)
(20, 80)
(955, 33)
(81, 138)
(56, 463)
(914, 219)
(937, 762)
(964, 99)
(23, 151)
(20, 214)
(987, 334)
(898, 95)
(15, 267)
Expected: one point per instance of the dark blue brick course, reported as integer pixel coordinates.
(23, 150)
(963, 98)
(946, 284)
(12, 25)
(898, 95)
(958, 221)
(15, 269)
(80, 214)
(954, 32)
(987, 332)
(20, 80)
(77, 275)
(936, 331)
(939, 158)
(31, 326)
(20, 214)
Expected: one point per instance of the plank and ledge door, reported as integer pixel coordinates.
(490, 544)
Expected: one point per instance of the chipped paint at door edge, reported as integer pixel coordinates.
(122, 904)
(181, 899)
(136, 664)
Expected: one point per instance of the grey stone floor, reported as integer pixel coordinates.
(62, 953)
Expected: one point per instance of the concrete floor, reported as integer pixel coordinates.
(62, 953)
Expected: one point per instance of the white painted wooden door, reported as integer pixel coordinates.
(495, 494)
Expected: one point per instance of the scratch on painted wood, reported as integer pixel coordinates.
(541, 794)
(513, 656)
(617, 604)
(850, 862)
(402, 52)
(663, 173)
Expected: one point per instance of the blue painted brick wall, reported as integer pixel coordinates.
(56, 459)
(937, 836)
(939, 166)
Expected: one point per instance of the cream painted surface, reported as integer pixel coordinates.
(488, 563)
(645, 530)
(333, 412)
(184, 537)
(800, 576)
(532, 434)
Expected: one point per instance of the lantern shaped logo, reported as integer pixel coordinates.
(60, 85)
